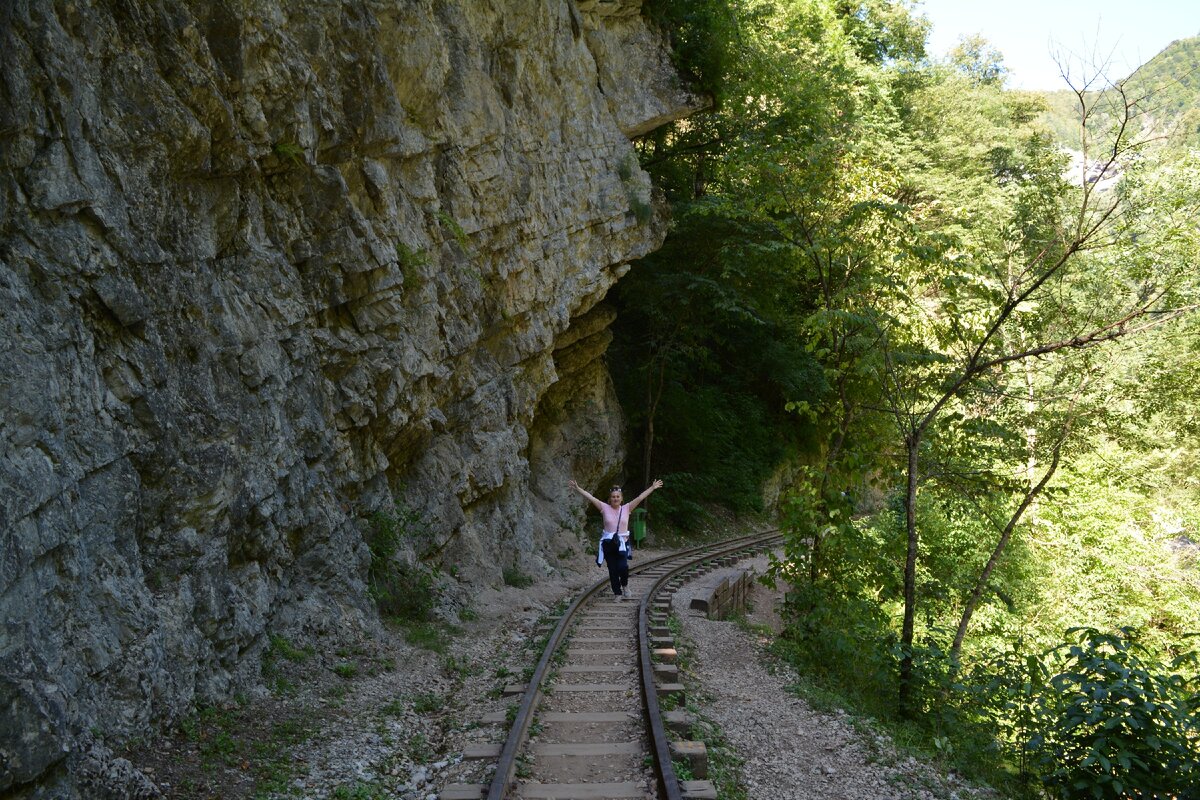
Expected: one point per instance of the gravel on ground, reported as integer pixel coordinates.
(787, 748)
(367, 716)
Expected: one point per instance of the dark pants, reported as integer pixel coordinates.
(618, 572)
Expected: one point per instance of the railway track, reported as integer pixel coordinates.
(596, 718)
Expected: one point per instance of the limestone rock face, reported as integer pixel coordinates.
(267, 267)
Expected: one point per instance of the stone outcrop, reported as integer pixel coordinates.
(267, 267)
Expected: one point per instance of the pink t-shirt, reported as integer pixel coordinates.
(610, 515)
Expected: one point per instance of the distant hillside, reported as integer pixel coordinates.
(1170, 83)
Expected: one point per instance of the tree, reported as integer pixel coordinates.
(978, 60)
(1025, 292)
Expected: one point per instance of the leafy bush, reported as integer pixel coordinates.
(514, 577)
(1117, 725)
(703, 36)
(398, 587)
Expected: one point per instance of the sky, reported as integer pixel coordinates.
(1131, 32)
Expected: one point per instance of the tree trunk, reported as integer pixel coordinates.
(912, 443)
(653, 396)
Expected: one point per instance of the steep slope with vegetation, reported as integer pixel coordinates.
(1165, 90)
(880, 284)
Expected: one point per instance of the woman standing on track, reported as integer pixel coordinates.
(615, 548)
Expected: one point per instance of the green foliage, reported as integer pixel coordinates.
(427, 702)
(421, 748)
(232, 738)
(289, 152)
(359, 790)
(412, 262)
(724, 764)
(273, 673)
(398, 587)
(1116, 724)
(874, 256)
(430, 635)
(513, 576)
(456, 230)
(642, 210)
(702, 35)
(717, 374)
(975, 58)
(625, 168)
(283, 647)
(741, 315)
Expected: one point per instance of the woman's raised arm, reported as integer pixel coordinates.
(635, 501)
(599, 506)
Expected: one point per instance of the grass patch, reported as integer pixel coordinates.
(289, 652)
(412, 263)
(422, 751)
(514, 577)
(427, 703)
(359, 790)
(642, 211)
(428, 635)
(289, 153)
(683, 648)
(278, 651)
(724, 765)
(231, 739)
(455, 667)
(346, 669)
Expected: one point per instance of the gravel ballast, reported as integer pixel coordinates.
(788, 749)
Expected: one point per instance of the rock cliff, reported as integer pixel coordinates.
(269, 266)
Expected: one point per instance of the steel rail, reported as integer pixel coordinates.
(506, 764)
(664, 765)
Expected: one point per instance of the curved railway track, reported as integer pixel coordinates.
(596, 698)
